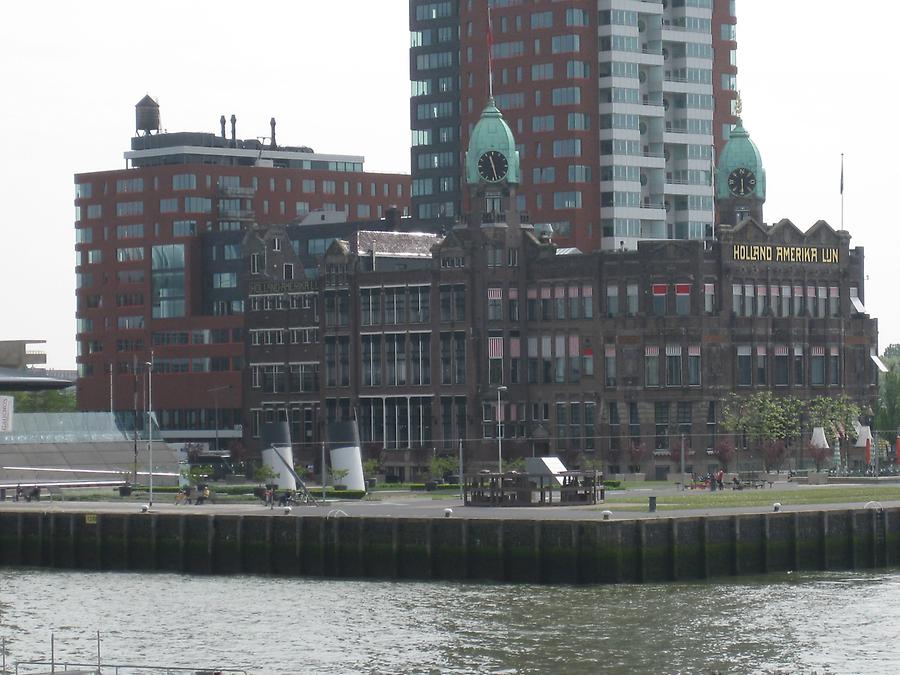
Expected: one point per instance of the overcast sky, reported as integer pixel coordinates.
(335, 76)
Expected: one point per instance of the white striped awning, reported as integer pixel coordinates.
(513, 292)
(546, 292)
(587, 291)
(774, 291)
(736, 289)
(762, 289)
(798, 291)
(748, 290)
(574, 345)
(817, 351)
(798, 350)
(495, 348)
(822, 292)
(495, 294)
(673, 350)
(834, 351)
(573, 291)
(559, 292)
(709, 289)
(760, 350)
(693, 350)
(609, 351)
(743, 350)
(781, 350)
(651, 351)
(877, 361)
(810, 291)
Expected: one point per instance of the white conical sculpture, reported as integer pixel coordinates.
(865, 435)
(818, 438)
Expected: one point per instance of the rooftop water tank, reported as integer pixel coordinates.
(146, 115)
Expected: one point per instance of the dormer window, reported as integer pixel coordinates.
(276, 244)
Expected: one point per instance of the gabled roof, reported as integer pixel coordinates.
(394, 244)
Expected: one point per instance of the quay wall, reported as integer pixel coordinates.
(533, 551)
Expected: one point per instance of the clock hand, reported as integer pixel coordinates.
(493, 168)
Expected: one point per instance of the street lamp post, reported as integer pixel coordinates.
(150, 420)
(500, 390)
(215, 392)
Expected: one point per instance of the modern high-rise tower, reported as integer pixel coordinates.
(618, 107)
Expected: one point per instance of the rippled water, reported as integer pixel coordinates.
(825, 623)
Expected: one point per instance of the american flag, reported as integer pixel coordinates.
(495, 348)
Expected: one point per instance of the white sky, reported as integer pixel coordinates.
(335, 76)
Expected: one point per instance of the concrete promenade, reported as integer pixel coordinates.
(403, 504)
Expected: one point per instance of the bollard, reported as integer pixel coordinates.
(652, 504)
(607, 515)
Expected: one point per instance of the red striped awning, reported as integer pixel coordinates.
(835, 351)
(559, 292)
(495, 294)
(682, 289)
(775, 291)
(693, 350)
(781, 350)
(660, 289)
(762, 289)
(587, 291)
(760, 350)
(513, 292)
(515, 347)
(573, 291)
(798, 291)
(532, 293)
(609, 350)
(834, 292)
(651, 351)
(546, 292)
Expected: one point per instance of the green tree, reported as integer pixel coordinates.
(836, 415)
(265, 474)
(887, 410)
(762, 417)
(441, 465)
(44, 401)
(371, 467)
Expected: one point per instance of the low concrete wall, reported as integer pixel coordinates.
(455, 548)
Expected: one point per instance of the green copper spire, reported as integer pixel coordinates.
(740, 172)
(492, 134)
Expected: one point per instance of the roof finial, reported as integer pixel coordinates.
(738, 104)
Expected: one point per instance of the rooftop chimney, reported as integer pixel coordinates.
(233, 131)
(222, 123)
(272, 123)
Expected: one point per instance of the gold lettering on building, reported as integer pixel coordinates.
(792, 254)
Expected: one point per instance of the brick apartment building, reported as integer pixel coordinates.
(159, 263)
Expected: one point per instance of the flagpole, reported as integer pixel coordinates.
(842, 191)
(490, 36)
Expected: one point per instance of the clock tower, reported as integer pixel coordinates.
(740, 179)
(492, 171)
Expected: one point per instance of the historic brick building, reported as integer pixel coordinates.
(417, 336)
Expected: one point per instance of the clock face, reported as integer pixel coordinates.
(492, 166)
(741, 182)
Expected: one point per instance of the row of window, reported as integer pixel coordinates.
(785, 300)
